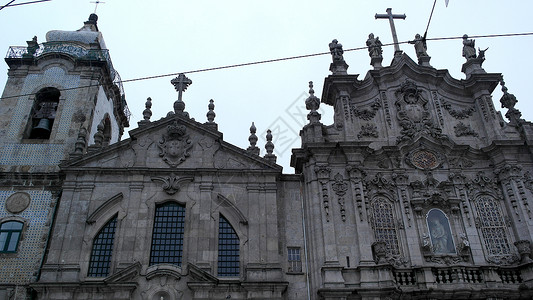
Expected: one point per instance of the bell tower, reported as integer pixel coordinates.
(61, 97)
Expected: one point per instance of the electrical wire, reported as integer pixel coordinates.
(7, 4)
(280, 59)
(24, 3)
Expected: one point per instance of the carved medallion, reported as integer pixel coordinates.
(175, 146)
(17, 202)
(424, 159)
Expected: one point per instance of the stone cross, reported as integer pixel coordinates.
(181, 83)
(391, 18)
(96, 4)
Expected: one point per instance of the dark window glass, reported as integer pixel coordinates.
(228, 249)
(102, 250)
(167, 237)
(9, 236)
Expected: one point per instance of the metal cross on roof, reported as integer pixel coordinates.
(181, 83)
(391, 18)
(96, 4)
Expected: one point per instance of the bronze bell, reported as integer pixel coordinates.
(42, 130)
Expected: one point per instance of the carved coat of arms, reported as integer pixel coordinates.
(175, 146)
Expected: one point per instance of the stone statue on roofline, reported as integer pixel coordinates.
(469, 50)
(473, 64)
(374, 46)
(374, 51)
(336, 51)
(338, 66)
(420, 45)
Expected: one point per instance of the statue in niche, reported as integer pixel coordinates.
(469, 48)
(374, 46)
(420, 46)
(440, 233)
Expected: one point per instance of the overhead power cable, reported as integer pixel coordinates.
(281, 59)
(1, 7)
(24, 3)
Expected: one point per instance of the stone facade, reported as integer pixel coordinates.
(43, 76)
(418, 190)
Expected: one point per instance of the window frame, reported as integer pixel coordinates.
(107, 257)
(163, 230)
(9, 233)
(294, 265)
(230, 265)
(397, 250)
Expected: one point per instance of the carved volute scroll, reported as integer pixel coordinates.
(323, 173)
(340, 187)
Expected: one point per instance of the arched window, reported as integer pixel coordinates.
(228, 249)
(10, 233)
(492, 226)
(43, 114)
(167, 237)
(102, 250)
(383, 224)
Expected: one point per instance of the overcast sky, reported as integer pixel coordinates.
(147, 38)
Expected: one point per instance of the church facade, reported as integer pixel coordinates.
(420, 189)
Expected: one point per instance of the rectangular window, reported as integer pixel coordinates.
(295, 260)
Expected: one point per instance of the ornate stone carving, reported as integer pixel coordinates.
(459, 114)
(340, 187)
(356, 175)
(18, 202)
(504, 260)
(433, 193)
(464, 130)
(524, 250)
(413, 114)
(444, 259)
(424, 159)
(175, 146)
(380, 252)
(322, 173)
(386, 108)
(368, 130)
(460, 162)
(172, 183)
(380, 184)
(366, 113)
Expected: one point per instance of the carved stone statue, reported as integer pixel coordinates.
(336, 51)
(469, 50)
(374, 46)
(420, 46)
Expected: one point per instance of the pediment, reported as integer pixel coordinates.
(174, 142)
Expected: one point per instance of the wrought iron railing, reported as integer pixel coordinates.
(75, 50)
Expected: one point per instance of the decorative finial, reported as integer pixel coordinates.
(180, 84)
(99, 135)
(147, 113)
(312, 103)
(81, 142)
(509, 101)
(269, 146)
(338, 66)
(211, 113)
(253, 140)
